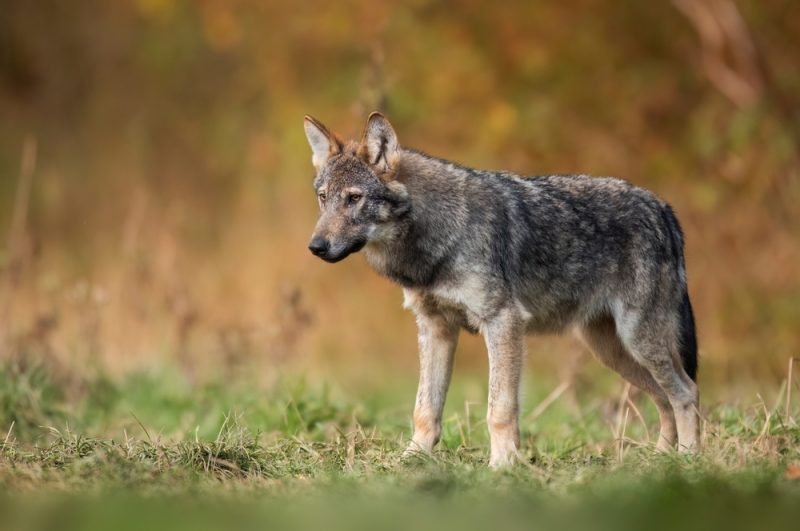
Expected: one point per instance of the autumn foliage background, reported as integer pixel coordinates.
(155, 182)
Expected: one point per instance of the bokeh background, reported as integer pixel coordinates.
(155, 182)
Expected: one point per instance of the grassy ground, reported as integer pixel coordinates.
(154, 449)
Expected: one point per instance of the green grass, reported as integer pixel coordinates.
(151, 449)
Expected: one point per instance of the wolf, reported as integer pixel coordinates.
(504, 256)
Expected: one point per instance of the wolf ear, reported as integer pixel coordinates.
(379, 146)
(323, 143)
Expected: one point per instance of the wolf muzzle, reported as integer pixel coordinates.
(322, 248)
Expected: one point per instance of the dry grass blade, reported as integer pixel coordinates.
(8, 435)
(621, 410)
(640, 417)
(622, 435)
(788, 408)
(17, 236)
(548, 400)
(19, 218)
(351, 451)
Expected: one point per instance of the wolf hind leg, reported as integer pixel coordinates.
(653, 339)
(600, 337)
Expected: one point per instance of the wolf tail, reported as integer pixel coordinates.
(688, 335)
(688, 339)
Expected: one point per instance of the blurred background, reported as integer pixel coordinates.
(155, 182)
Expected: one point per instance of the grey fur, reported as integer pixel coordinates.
(505, 256)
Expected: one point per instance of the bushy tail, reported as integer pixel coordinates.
(688, 338)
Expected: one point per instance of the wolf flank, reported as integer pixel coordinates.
(504, 256)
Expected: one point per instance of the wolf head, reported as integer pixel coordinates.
(360, 199)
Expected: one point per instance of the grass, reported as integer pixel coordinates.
(152, 449)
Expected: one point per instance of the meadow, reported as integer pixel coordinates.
(153, 449)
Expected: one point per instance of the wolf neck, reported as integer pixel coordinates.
(422, 248)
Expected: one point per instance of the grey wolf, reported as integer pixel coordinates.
(504, 256)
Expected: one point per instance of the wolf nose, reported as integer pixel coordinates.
(318, 246)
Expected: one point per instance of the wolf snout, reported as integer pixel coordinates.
(318, 246)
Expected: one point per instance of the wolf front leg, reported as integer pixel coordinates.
(437, 345)
(504, 337)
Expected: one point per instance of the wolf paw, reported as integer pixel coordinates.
(504, 459)
(415, 450)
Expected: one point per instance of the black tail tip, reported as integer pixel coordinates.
(688, 339)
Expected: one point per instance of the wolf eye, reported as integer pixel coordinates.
(352, 199)
(322, 197)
